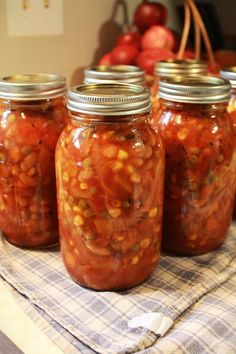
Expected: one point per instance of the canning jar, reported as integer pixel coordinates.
(230, 74)
(32, 116)
(110, 74)
(170, 69)
(109, 167)
(200, 163)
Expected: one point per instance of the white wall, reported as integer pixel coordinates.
(89, 31)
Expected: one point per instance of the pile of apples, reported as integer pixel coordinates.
(152, 41)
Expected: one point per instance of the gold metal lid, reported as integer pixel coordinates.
(176, 67)
(203, 89)
(26, 87)
(110, 99)
(114, 74)
(229, 74)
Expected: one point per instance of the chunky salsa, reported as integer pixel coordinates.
(110, 201)
(199, 177)
(28, 135)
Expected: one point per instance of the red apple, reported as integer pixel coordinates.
(188, 54)
(129, 38)
(147, 59)
(158, 37)
(148, 14)
(105, 59)
(124, 55)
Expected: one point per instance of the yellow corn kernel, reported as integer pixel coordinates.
(78, 220)
(120, 238)
(122, 155)
(71, 243)
(72, 171)
(117, 166)
(130, 169)
(77, 209)
(135, 260)
(148, 152)
(67, 207)
(87, 162)
(152, 213)
(145, 243)
(65, 177)
(114, 212)
(110, 152)
(83, 186)
(182, 134)
(135, 178)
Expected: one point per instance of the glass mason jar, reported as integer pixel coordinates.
(170, 69)
(230, 74)
(32, 116)
(200, 163)
(109, 167)
(111, 74)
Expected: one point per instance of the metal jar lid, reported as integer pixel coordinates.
(203, 89)
(114, 74)
(229, 74)
(28, 87)
(176, 67)
(109, 99)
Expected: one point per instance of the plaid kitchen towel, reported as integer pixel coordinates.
(100, 319)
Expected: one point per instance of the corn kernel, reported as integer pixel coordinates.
(72, 171)
(152, 213)
(114, 212)
(122, 155)
(135, 260)
(117, 166)
(67, 207)
(135, 178)
(182, 134)
(145, 243)
(86, 163)
(110, 152)
(130, 169)
(78, 220)
(65, 177)
(77, 209)
(83, 185)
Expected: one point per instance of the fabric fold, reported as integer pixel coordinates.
(100, 319)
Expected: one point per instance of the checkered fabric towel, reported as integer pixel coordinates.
(99, 320)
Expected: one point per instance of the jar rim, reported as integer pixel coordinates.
(109, 99)
(198, 90)
(36, 86)
(114, 73)
(229, 74)
(185, 67)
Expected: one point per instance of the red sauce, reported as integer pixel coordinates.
(200, 176)
(28, 136)
(110, 201)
